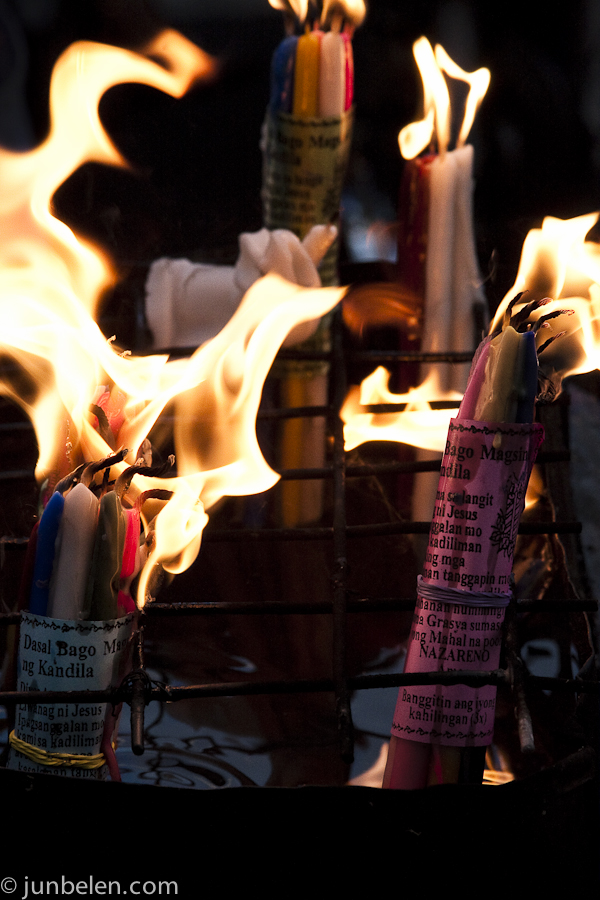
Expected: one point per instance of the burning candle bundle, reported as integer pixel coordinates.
(90, 544)
(308, 126)
(84, 553)
(306, 143)
(436, 252)
(465, 586)
(50, 283)
(312, 75)
(113, 522)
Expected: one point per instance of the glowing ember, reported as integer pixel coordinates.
(50, 283)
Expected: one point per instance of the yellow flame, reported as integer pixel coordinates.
(50, 282)
(413, 138)
(535, 488)
(418, 425)
(353, 10)
(478, 82)
(416, 136)
(557, 262)
(298, 7)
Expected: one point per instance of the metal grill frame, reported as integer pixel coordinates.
(137, 689)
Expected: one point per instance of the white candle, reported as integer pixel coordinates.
(332, 75)
(438, 311)
(188, 303)
(467, 289)
(75, 545)
(452, 281)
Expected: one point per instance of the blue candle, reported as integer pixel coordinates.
(282, 75)
(44, 554)
(528, 378)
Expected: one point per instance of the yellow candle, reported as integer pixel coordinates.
(306, 75)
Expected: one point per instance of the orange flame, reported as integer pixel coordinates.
(298, 7)
(418, 425)
(353, 10)
(416, 136)
(50, 283)
(557, 262)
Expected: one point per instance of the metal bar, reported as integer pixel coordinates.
(362, 605)
(337, 392)
(293, 412)
(368, 470)
(322, 532)
(517, 680)
(167, 693)
(370, 356)
(284, 608)
(408, 356)
(139, 683)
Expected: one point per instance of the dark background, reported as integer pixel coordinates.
(195, 183)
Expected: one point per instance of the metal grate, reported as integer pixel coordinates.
(569, 609)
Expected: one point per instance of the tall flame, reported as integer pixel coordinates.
(419, 425)
(432, 65)
(50, 284)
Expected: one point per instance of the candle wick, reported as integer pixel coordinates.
(336, 22)
(289, 23)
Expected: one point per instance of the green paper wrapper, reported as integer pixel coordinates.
(304, 166)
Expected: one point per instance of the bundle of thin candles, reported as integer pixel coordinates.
(307, 130)
(77, 610)
(312, 75)
(465, 585)
(306, 143)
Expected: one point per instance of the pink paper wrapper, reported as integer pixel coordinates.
(465, 585)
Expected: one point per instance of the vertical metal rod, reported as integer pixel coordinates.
(337, 390)
(517, 668)
(138, 691)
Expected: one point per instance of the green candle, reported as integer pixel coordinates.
(105, 570)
